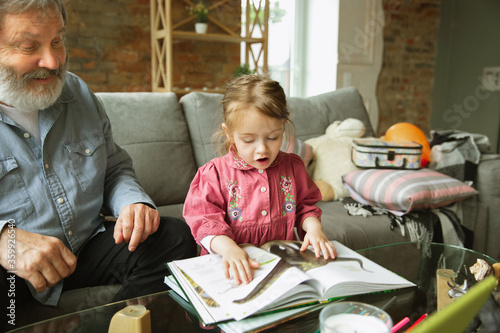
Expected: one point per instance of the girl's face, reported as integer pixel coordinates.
(257, 138)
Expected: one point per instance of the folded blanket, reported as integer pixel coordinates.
(418, 224)
(456, 153)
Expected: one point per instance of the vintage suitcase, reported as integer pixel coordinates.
(378, 153)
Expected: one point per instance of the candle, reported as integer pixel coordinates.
(353, 323)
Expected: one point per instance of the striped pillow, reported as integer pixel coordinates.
(402, 191)
(298, 147)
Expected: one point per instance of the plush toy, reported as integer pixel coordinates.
(332, 157)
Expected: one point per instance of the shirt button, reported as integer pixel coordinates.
(264, 213)
(263, 189)
(87, 151)
(261, 170)
(70, 233)
(47, 165)
(26, 135)
(60, 200)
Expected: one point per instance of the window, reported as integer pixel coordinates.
(302, 45)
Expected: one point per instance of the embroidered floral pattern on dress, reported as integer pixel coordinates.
(286, 188)
(239, 162)
(234, 195)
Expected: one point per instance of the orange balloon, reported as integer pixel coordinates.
(410, 132)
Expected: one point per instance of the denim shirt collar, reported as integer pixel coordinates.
(66, 96)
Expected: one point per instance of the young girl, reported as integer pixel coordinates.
(255, 193)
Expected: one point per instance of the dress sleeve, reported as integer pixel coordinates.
(205, 205)
(308, 194)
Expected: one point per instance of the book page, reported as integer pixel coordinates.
(214, 281)
(351, 274)
(208, 310)
(252, 324)
(242, 300)
(278, 284)
(348, 274)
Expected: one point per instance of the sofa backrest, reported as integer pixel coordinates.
(311, 117)
(151, 127)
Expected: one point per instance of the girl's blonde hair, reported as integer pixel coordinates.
(252, 92)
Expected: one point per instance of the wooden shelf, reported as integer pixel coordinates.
(215, 37)
(163, 33)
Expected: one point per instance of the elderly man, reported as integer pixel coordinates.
(59, 166)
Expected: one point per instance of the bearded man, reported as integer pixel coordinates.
(59, 166)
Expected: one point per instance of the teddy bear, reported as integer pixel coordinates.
(331, 157)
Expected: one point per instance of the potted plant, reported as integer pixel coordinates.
(243, 69)
(201, 14)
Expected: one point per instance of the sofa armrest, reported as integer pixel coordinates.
(488, 177)
(487, 183)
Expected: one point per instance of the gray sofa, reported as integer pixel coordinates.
(169, 139)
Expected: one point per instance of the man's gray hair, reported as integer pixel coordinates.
(20, 6)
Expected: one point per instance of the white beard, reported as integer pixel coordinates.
(16, 91)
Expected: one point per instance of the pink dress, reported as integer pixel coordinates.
(229, 197)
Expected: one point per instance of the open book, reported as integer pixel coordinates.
(286, 278)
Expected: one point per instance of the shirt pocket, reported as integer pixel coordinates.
(88, 159)
(15, 201)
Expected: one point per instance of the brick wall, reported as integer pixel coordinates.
(404, 89)
(109, 44)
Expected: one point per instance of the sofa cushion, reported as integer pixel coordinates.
(311, 117)
(172, 210)
(357, 231)
(203, 115)
(402, 191)
(152, 129)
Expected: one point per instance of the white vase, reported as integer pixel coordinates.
(201, 28)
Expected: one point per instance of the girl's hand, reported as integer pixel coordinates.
(317, 238)
(239, 265)
(236, 262)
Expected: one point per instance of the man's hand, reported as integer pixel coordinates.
(135, 223)
(42, 260)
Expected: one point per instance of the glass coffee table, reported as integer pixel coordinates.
(416, 262)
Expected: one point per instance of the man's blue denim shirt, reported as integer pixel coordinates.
(59, 188)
